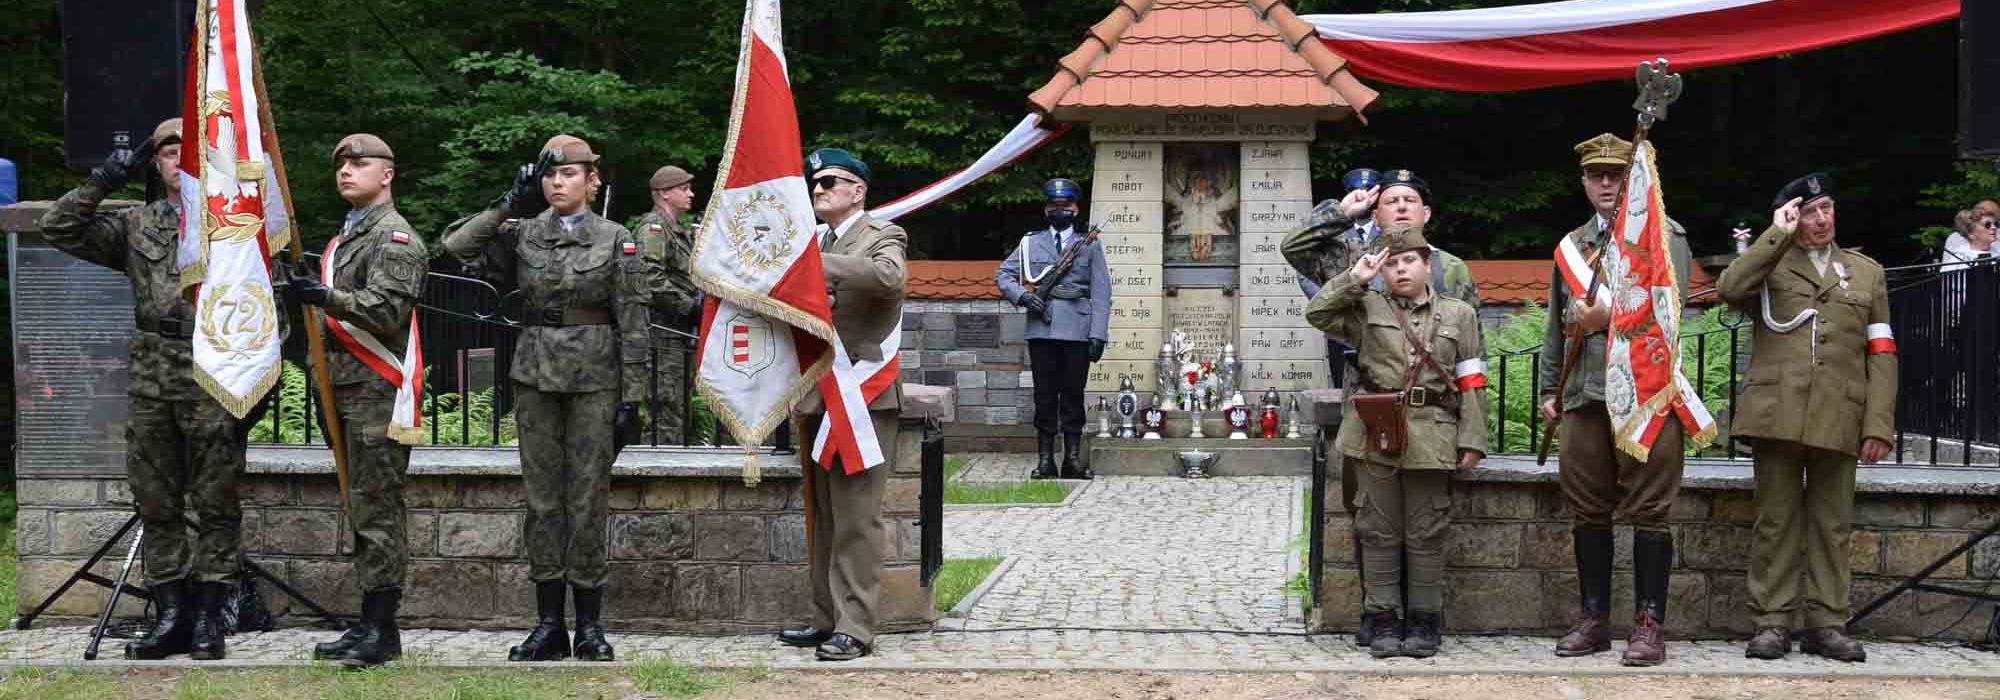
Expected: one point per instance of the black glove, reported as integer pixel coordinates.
(524, 199)
(625, 427)
(1096, 349)
(307, 288)
(118, 166)
(1034, 303)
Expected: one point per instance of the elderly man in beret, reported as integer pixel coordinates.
(676, 301)
(1821, 393)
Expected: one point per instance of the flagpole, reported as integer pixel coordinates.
(315, 339)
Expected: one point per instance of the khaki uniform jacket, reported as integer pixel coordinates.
(140, 242)
(377, 279)
(867, 271)
(1365, 319)
(1817, 385)
(1586, 381)
(598, 265)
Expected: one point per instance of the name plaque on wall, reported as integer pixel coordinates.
(1208, 316)
(72, 327)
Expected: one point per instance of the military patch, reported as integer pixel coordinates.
(399, 237)
(654, 228)
(631, 248)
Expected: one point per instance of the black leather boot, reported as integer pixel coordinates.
(381, 642)
(1423, 638)
(328, 651)
(173, 631)
(207, 642)
(1072, 466)
(590, 643)
(548, 641)
(1045, 446)
(1590, 632)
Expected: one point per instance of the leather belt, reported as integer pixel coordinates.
(181, 328)
(1419, 397)
(594, 316)
(1069, 290)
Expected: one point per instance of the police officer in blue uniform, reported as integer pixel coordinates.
(1067, 330)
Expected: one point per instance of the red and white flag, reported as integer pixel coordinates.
(1643, 383)
(232, 211)
(1499, 49)
(767, 337)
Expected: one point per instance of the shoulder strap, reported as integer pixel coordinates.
(1422, 348)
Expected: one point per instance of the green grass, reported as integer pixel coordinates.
(954, 467)
(958, 577)
(961, 493)
(656, 677)
(61, 684)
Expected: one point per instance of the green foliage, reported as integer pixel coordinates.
(1974, 181)
(461, 419)
(958, 577)
(1511, 350)
(660, 674)
(960, 492)
(58, 684)
(288, 419)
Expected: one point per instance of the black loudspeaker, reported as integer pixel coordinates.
(122, 72)
(1979, 79)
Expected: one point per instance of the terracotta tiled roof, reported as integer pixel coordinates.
(1203, 53)
(1500, 281)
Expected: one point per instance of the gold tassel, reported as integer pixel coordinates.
(753, 474)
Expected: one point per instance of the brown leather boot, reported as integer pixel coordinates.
(1652, 564)
(1832, 643)
(1591, 632)
(1648, 644)
(1770, 644)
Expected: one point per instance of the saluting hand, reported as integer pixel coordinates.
(1357, 203)
(1369, 265)
(1786, 218)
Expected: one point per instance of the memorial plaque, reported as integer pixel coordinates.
(1282, 344)
(1126, 186)
(1263, 249)
(978, 330)
(1285, 311)
(1208, 316)
(1270, 280)
(1127, 156)
(1133, 344)
(1130, 248)
(1134, 280)
(1104, 375)
(1275, 217)
(1221, 250)
(1275, 155)
(1276, 185)
(1136, 312)
(1284, 375)
(1204, 125)
(1126, 217)
(72, 327)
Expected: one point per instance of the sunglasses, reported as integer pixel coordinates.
(1990, 225)
(828, 182)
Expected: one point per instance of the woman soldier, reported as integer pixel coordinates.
(1420, 371)
(579, 372)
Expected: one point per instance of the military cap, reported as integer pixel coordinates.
(1404, 178)
(1404, 236)
(669, 177)
(1061, 188)
(362, 146)
(835, 158)
(1360, 179)
(167, 132)
(1808, 189)
(569, 149)
(1604, 149)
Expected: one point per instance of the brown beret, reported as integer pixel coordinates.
(167, 132)
(362, 146)
(569, 149)
(669, 177)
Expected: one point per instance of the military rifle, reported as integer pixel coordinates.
(1056, 271)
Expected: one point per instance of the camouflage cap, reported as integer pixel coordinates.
(362, 146)
(1404, 236)
(167, 132)
(1604, 149)
(669, 177)
(569, 149)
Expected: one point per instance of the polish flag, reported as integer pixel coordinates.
(1578, 41)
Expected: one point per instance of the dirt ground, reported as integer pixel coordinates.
(1149, 686)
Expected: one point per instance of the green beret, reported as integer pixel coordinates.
(835, 158)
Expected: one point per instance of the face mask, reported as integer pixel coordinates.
(1060, 219)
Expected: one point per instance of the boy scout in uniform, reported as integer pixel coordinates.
(1065, 332)
(378, 276)
(181, 446)
(1597, 479)
(676, 301)
(579, 372)
(866, 271)
(1404, 502)
(1821, 391)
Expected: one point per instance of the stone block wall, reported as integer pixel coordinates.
(976, 346)
(1510, 567)
(687, 553)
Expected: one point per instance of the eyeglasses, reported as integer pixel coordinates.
(1990, 224)
(828, 182)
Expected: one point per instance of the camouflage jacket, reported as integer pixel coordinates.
(595, 267)
(1330, 242)
(1586, 381)
(140, 242)
(378, 276)
(1366, 319)
(675, 299)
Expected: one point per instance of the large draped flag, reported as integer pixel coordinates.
(1643, 383)
(1498, 49)
(767, 336)
(232, 212)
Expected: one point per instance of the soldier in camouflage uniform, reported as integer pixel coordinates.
(579, 372)
(181, 446)
(1404, 503)
(676, 301)
(378, 275)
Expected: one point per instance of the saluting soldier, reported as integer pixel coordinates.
(1424, 348)
(1598, 480)
(182, 447)
(867, 270)
(579, 372)
(1821, 391)
(369, 282)
(676, 301)
(1067, 331)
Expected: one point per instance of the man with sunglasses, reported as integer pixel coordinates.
(1066, 331)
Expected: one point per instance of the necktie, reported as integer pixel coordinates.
(826, 239)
